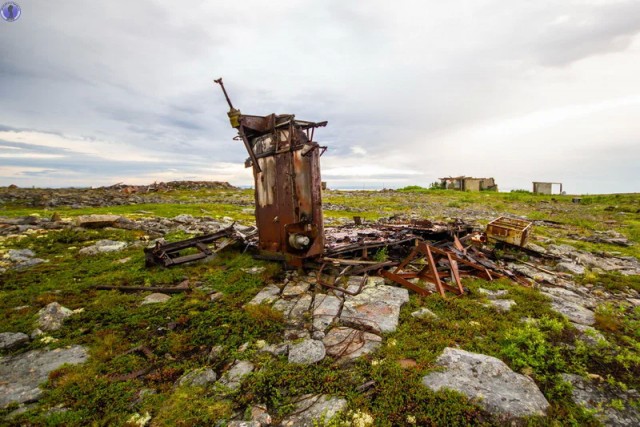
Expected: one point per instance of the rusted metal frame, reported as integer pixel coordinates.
(429, 272)
(360, 246)
(166, 254)
(347, 261)
(432, 268)
(407, 260)
(455, 273)
(247, 145)
(366, 268)
(473, 265)
(404, 282)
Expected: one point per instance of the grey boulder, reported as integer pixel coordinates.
(309, 409)
(51, 317)
(22, 374)
(11, 340)
(490, 382)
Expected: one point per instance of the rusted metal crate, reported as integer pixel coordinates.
(509, 230)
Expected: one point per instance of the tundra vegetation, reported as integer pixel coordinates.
(181, 332)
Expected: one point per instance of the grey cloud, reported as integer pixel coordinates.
(588, 30)
(395, 79)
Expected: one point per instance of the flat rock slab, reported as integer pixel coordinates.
(532, 273)
(102, 246)
(312, 408)
(295, 289)
(306, 352)
(267, 295)
(571, 305)
(294, 310)
(22, 258)
(325, 311)
(576, 296)
(589, 334)
(155, 298)
(22, 374)
(570, 267)
(599, 396)
(11, 340)
(233, 377)
(97, 221)
(376, 308)
(346, 343)
(488, 380)
(503, 305)
(198, 377)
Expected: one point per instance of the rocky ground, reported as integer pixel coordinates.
(255, 345)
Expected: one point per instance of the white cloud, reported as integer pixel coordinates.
(358, 150)
(114, 151)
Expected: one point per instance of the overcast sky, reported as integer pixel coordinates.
(95, 93)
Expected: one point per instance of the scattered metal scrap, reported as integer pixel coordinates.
(168, 254)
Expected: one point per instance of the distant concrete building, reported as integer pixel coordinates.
(546, 187)
(467, 183)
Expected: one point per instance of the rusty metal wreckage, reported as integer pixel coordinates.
(421, 255)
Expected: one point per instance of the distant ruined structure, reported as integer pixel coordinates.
(546, 187)
(467, 183)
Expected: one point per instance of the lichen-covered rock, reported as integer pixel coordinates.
(97, 221)
(492, 294)
(571, 305)
(267, 295)
(325, 311)
(51, 317)
(376, 308)
(424, 313)
(155, 298)
(102, 246)
(306, 352)
(600, 397)
(251, 423)
(310, 409)
(22, 258)
(488, 380)
(295, 289)
(589, 334)
(22, 374)
(11, 340)
(346, 343)
(198, 377)
(570, 267)
(502, 304)
(233, 377)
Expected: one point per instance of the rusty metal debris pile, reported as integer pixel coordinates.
(422, 256)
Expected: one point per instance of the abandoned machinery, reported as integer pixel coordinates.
(422, 256)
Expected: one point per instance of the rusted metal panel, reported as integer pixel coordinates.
(509, 230)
